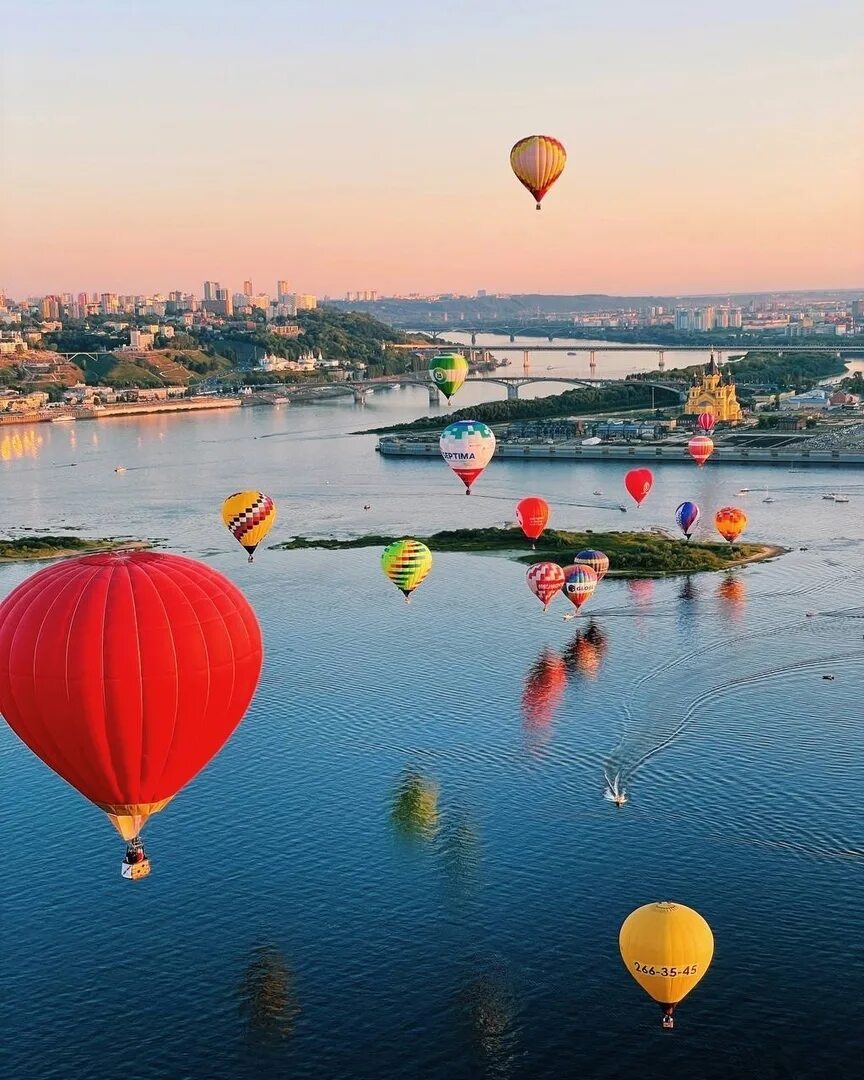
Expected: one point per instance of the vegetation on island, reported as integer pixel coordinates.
(631, 554)
(623, 396)
(796, 371)
(56, 547)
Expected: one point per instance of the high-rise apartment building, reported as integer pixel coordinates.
(49, 308)
(735, 317)
(305, 302)
(282, 291)
(108, 303)
(683, 319)
(211, 288)
(247, 288)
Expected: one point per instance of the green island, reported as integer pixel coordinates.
(631, 554)
(35, 548)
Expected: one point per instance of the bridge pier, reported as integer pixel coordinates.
(473, 338)
(592, 362)
(359, 395)
(512, 337)
(661, 360)
(434, 394)
(512, 391)
(526, 359)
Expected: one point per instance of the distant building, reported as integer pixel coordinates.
(247, 288)
(683, 319)
(210, 290)
(305, 302)
(709, 392)
(289, 330)
(283, 291)
(812, 399)
(140, 339)
(108, 304)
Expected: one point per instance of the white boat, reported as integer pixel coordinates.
(62, 419)
(841, 498)
(767, 499)
(598, 492)
(281, 401)
(830, 496)
(743, 491)
(120, 468)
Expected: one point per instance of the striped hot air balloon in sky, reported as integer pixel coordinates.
(467, 446)
(448, 372)
(597, 560)
(538, 161)
(406, 563)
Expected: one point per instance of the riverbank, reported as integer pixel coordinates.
(534, 449)
(45, 548)
(70, 413)
(631, 554)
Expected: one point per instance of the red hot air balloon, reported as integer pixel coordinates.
(700, 448)
(126, 672)
(533, 516)
(545, 580)
(705, 421)
(639, 482)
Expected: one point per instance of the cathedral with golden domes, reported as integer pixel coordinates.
(714, 393)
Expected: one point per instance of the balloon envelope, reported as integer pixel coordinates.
(545, 580)
(667, 948)
(687, 516)
(639, 482)
(538, 161)
(249, 516)
(406, 563)
(700, 448)
(597, 560)
(467, 446)
(730, 522)
(126, 672)
(449, 371)
(580, 581)
(705, 421)
(533, 516)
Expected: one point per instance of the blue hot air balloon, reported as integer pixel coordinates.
(687, 515)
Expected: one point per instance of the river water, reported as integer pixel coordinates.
(292, 928)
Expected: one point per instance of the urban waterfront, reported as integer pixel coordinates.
(486, 943)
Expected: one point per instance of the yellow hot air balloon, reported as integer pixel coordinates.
(538, 161)
(667, 948)
(249, 516)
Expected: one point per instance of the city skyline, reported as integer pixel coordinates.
(367, 149)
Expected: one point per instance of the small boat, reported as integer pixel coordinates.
(62, 419)
(841, 498)
(597, 491)
(809, 614)
(828, 678)
(120, 468)
(743, 491)
(768, 499)
(281, 401)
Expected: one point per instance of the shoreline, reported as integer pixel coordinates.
(100, 546)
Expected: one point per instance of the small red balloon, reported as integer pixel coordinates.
(639, 482)
(705, 421)
(533, 516)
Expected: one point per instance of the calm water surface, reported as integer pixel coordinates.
(291, 928)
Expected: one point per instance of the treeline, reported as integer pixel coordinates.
(626, 395)
(792, 371)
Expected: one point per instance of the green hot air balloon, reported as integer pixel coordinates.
(448, 372)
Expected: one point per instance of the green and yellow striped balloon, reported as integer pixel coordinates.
(448, 372)
(406, 563)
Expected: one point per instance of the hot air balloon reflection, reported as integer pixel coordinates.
(267, 996)
(533, 516)
(667, 948)
(406, 563)
(543, 690)
(448, 371)
(545, 580)
(583, 657)
(467, 446)
(687, 517)
(597, 560)
(732, 592)
(249, 516)
(580, 581)
(538, 161)
(638, 483)
(688, 591)
(126, 672)
(700, 448)
(415, 807)
(641, 590)
(730, 522)
(488, 1005)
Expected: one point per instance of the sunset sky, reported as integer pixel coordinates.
(343, 145)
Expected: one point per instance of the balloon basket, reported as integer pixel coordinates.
(134, 871)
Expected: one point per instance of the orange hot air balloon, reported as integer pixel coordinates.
(533, 516)
(700, 448)
(538, 161)
(730, 522)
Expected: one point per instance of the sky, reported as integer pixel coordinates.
(152, 144)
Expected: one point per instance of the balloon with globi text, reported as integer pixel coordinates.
(638, 483)
(580, 581)
(467, 446)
